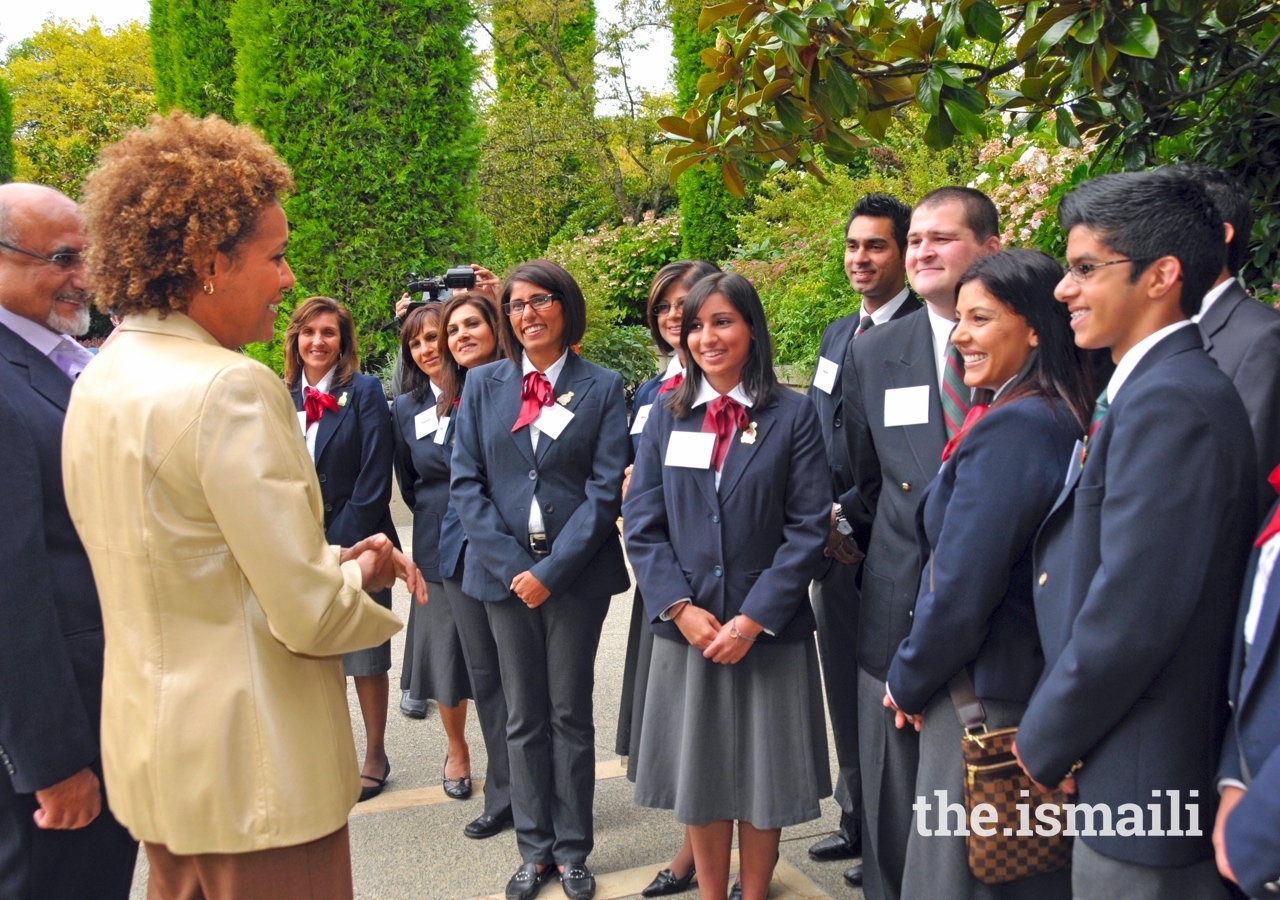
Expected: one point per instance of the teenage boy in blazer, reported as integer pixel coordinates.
(895, 426)
(875, 247)
(546, 593)
(1241, 333)
(1247, 833)
(1134, 616)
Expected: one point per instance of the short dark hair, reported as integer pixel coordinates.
(452, 375)
(758, 379)
(1024, 281)
(1231, 199)
(980, 214)
(553, 279)
(1145, 216)
(884, 206)
(413, 380)
(687, 273)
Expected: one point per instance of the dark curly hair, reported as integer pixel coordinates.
(165, 198)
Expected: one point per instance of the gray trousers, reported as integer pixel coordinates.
(889, 760)
(481, 655)
(1098, 877)
(835, 606)
(547, 657)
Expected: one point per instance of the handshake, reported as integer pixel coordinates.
(381, 564)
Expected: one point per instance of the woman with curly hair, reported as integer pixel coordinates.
(226, 741)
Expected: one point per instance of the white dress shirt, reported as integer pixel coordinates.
(885, 313)
(553, 371)
(942, 329)
(46, 342)
(673, 368)
(322, 387)
(1209, 298)
(1130, 360)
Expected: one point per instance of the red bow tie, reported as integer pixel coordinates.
(671, 383)
(535, 393)
(314, 403)
(1273, 527)
(970, 418)
(724, 416)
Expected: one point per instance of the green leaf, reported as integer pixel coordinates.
(939, 133)
(712, 14)
(820, 10)
(732, 179)
(675, 125)
(789, 116)
(1057, 31)
(843, 88)
(1068, 135)
(953, 24)
(1136, 34)
(1087, 33)
(928, 89)
(791, 28)
(1088, 111)
(985, 20)
(964, 121)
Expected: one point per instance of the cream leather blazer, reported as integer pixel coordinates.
(224, 710)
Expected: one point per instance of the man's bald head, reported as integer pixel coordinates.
(38, 224)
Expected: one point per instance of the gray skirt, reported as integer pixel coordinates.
(746, 742)
(371, 660)
(438, 670)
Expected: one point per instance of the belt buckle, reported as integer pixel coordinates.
(538, 545)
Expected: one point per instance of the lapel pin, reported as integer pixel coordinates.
(749, 436)
(565, 399)
(342, 401)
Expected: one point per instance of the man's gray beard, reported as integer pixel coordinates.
(73, 325)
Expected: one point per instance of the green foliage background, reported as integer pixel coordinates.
(6, 134)
(371, 105)
(193, 56)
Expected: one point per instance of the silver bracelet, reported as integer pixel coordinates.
(735, 633)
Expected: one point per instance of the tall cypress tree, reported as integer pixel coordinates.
(707, 229)
(6, 134)
(162, 54)
(371, 105)
(193, 56)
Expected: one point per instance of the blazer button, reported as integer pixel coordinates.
(549, 507)
(328, 507)
(905, 486)
(323, 478)
(533, 474)
(836, 423)
(715, 517)
(1044, 578)
(717, 571)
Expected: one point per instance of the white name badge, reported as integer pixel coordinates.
(825, 378)
(690, 449)
(906, 406)
(642, 416)
(425, 422)
(442, 429)
(302, 420)
(552, 420)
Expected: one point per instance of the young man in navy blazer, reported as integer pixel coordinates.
(874, 261)
(1140, 561)
(893, 382)
(1247, 833)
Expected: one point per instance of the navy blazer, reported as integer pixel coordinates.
(1141, 562)
(1251, 754)
(976, 524)
(577, 478)
(890, 467)
(1243, 337)
(355, 447)
(422, 471)
(753, 546)
(51, 642)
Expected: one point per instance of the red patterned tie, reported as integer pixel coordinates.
(955, 393)
(976, 412)
(671, 383)
(535, 393)
(1273, 527)
(314, 404)
(724, 416)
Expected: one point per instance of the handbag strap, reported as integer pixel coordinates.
(969, 708)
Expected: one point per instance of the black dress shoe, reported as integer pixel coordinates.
(525, 884)
(836, 846)
(853, 876)
(457, 788)
(735, 892)
(369, 791)
(667, 883)
(577, 882)
(487, 826)
(414, 709)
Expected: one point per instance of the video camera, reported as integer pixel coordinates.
(459, 278)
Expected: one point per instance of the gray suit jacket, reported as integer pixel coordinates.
(1243, 337)
(577, 478)
(891, 466)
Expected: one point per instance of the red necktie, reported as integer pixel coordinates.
(724, 416)
(314, 404)
(1273, 527)
(976, 412)
(671, 383)
(535, 393)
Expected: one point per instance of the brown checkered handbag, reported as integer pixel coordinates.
(1013, 848)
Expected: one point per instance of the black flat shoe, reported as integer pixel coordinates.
(577, 882)
(457, 788)
(836, 846)
(368, 792)
(525, 884)
(667, 883)
(735, 892)
(853, 876)
(414, 709)
(487, 826)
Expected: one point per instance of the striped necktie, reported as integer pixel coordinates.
(863, 324)
(955, 393)
(1099, 413)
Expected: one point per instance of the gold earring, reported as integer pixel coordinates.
(208, 287)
